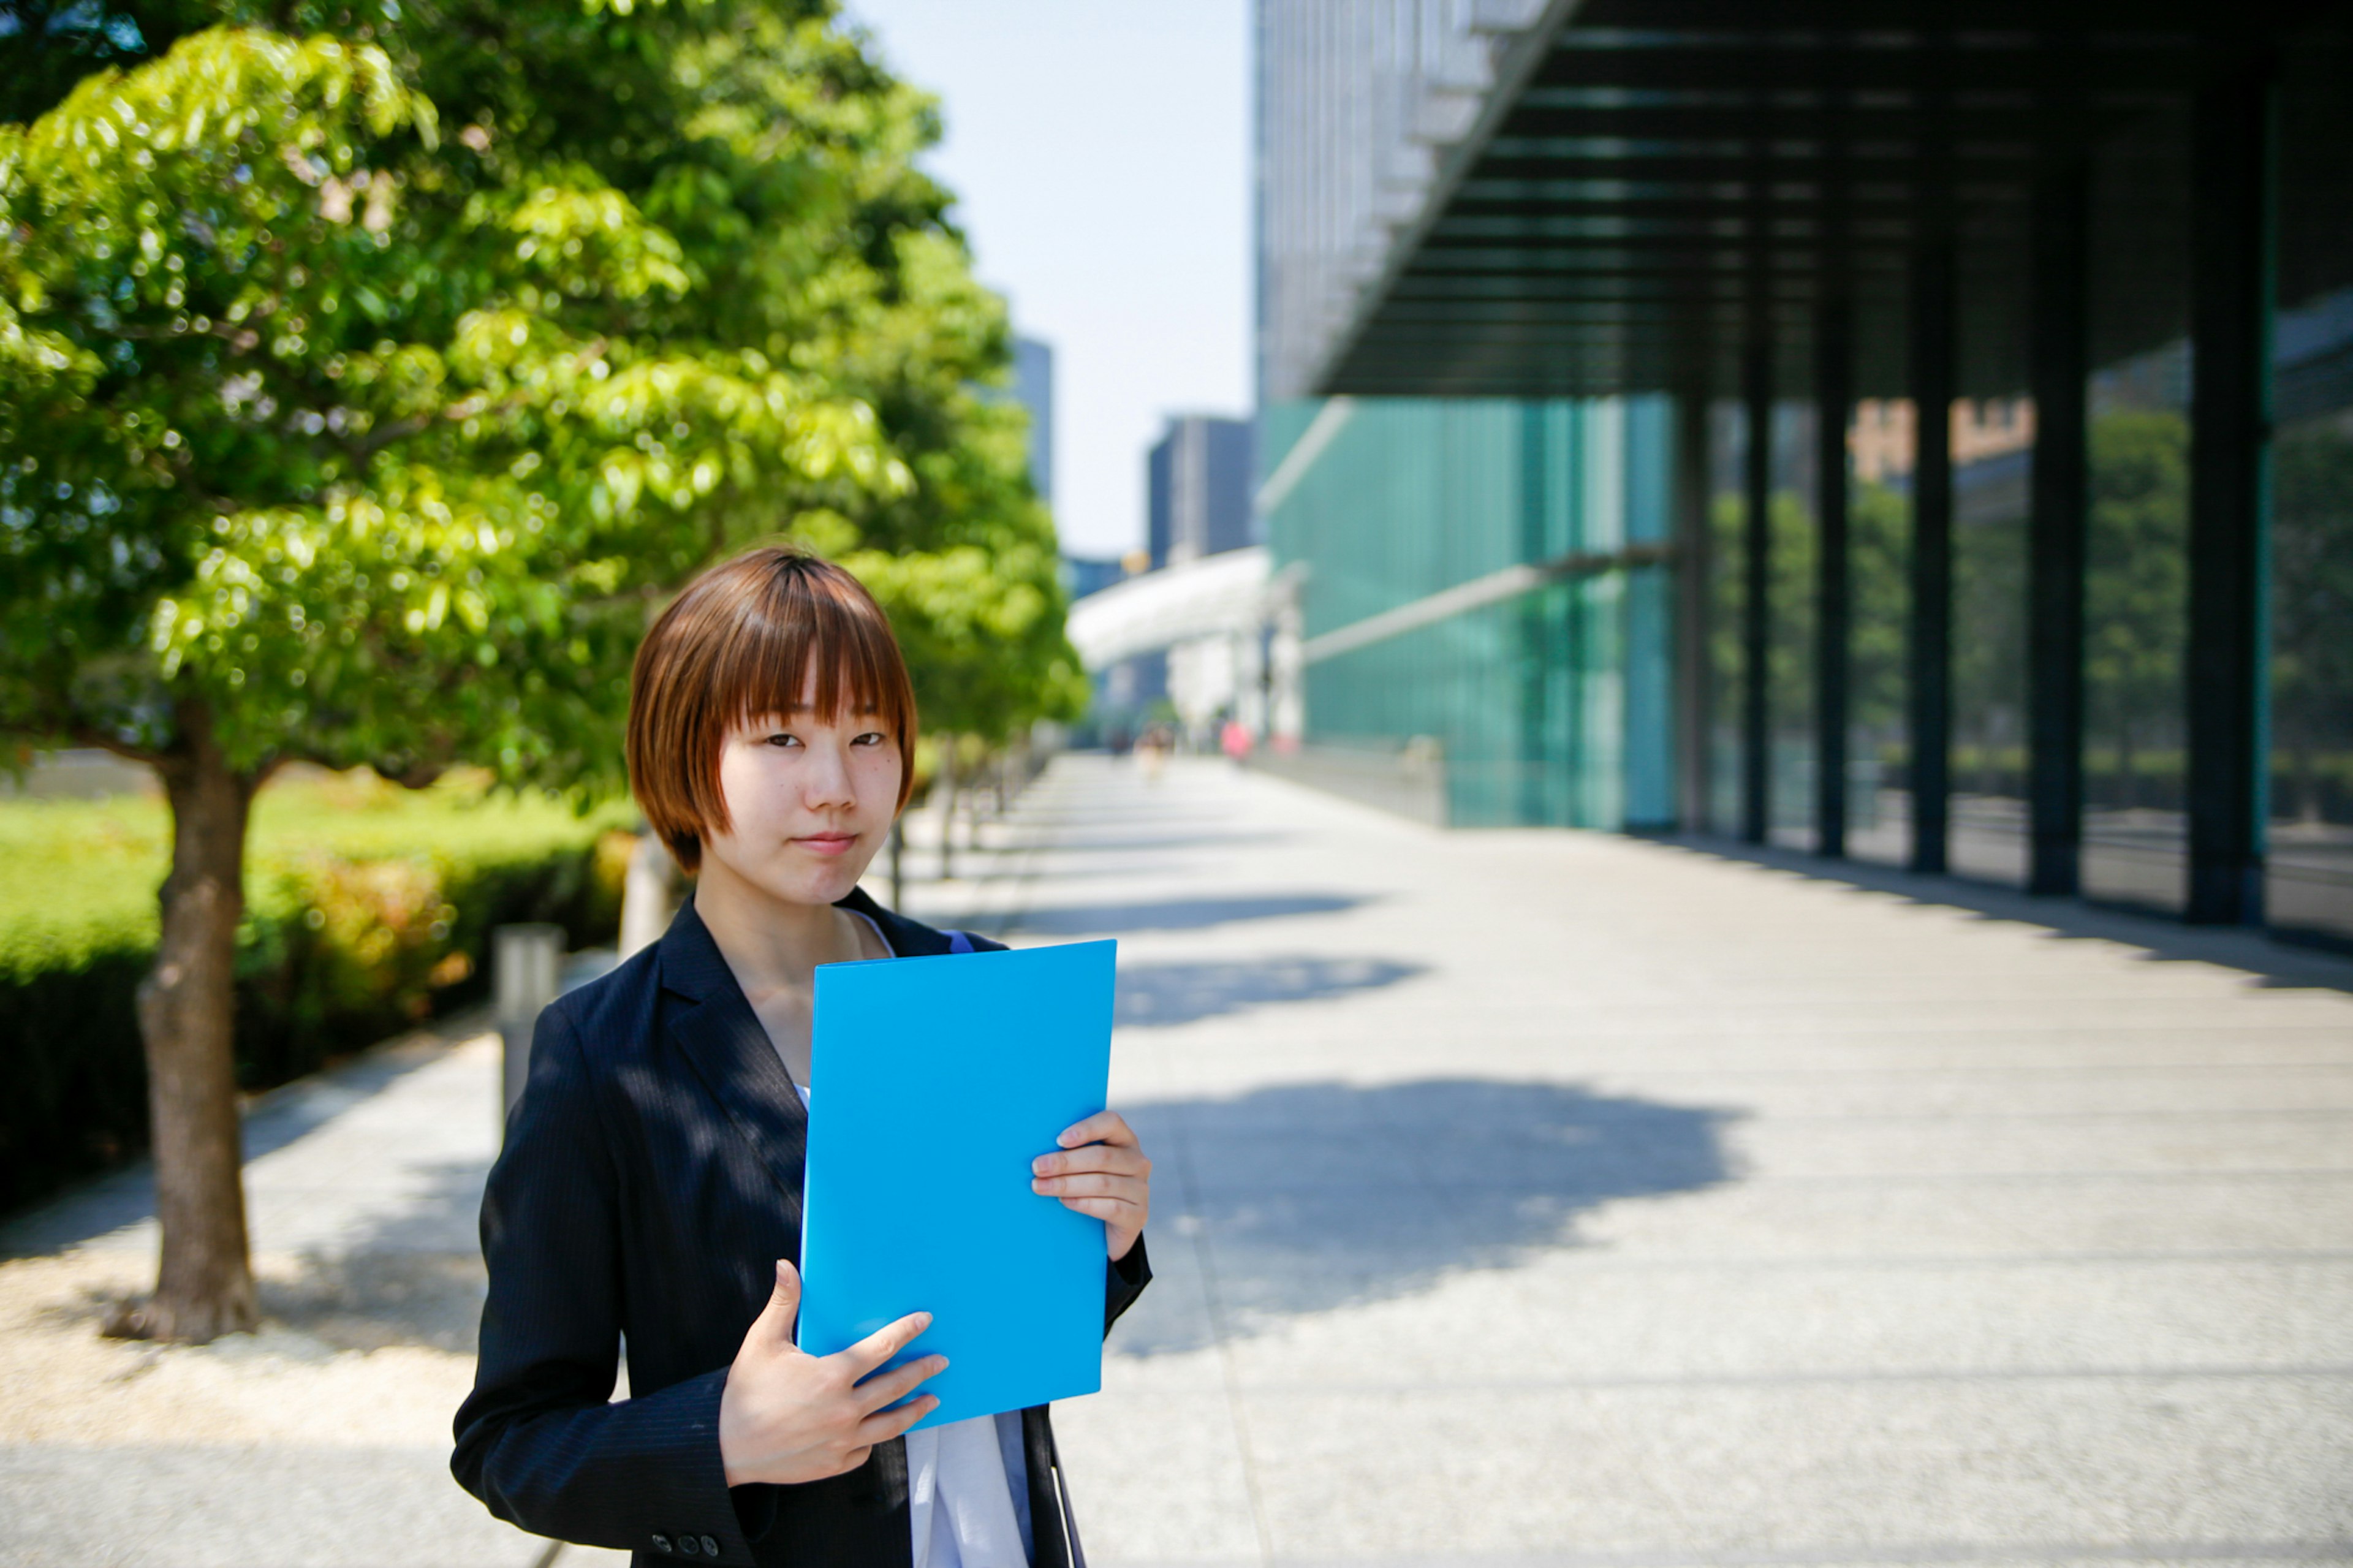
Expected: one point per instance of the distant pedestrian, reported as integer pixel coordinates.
(649, 1194)
(1152, 749)
(1235, 740)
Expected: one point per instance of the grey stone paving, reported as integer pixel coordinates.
(363, 1187)
(1541, 1197)
(1524, 1198)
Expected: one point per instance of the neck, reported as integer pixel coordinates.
(769, 943)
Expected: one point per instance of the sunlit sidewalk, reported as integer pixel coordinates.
(1538, 1197)
(1522, 1197)
(322, 1440)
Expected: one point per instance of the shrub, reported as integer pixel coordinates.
(370, 907)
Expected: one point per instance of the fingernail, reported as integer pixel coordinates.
(1036, 1187)
(1038, 1165)
(1067, 1140)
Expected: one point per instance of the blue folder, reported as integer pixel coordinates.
(933, 1084)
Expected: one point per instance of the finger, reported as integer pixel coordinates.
(1126, 1160)
(1091, 1184)
(890, 1388)
(883, 1343)
(1111, 1211)
(1102, 1127)
(776, 1318)
(885, 1424)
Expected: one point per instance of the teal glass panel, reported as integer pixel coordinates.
(1550, 704)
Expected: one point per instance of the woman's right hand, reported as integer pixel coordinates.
(786, 1416)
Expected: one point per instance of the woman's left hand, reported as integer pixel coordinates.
(1100, 1171)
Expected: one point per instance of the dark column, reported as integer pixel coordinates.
(1539, 661)
(1834, 395)
(1931, 649)
(1694, 698)
(1755, 607)
(2055, 646)
(2230, 435)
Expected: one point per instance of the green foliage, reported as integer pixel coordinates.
(1990, 606)
(2136, 605)
(364, 381)
(1879, 564)
(2312, 619)
(371, 906)
(50, 45)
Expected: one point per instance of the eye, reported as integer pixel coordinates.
(871, 738)
(781, 738)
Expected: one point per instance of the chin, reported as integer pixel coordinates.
(826, 883)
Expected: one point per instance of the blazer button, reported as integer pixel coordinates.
(688, 1544)
(711, 1546)
(662, 1545)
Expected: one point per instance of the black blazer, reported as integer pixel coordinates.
(651, 1177)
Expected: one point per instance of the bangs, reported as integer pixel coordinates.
(794, 629)
(740, 645)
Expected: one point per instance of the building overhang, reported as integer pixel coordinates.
(1653, 185)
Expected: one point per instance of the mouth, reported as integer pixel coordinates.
(827, 843)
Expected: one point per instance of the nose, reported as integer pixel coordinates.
(825, 782)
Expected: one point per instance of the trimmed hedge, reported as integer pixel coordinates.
(368, 907)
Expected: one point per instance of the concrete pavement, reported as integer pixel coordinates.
(322, 1440)
(1522, 1197)
(1530, 1196)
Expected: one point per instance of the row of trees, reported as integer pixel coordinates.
(369, 372)
(2136, 608)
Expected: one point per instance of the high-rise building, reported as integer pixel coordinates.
(1085, 574)
(1033, 385)
(1199, 481)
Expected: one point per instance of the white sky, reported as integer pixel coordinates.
(1100, 150)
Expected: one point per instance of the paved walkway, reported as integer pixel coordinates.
(322, 1440)
(1540, 1197)
(1524, 1197)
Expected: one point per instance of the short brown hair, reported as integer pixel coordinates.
(737, 645)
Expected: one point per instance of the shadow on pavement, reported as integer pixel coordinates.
(1176, 914)
(366, 1301)
(109, 1203)
(1312, 1196)
(1160, 995)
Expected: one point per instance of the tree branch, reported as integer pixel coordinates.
(89, 734)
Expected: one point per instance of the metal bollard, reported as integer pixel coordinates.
(524, 963)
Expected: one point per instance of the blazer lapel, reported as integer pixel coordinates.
(723, 1041)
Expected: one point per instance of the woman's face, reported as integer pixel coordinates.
(807, 804)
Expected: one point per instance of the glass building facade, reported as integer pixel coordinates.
(1549, 703)
(1922, 433)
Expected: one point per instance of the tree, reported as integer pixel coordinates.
(2137, 586)
(361, 396)
(2311, 606)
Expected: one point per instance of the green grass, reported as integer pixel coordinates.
(82, 875)
(367, 908)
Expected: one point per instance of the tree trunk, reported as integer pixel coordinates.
(650, 895)
(204, 1288)
(946, 785)
(2307, 779)
(897, 856)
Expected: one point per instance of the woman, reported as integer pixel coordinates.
(650, 1187)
